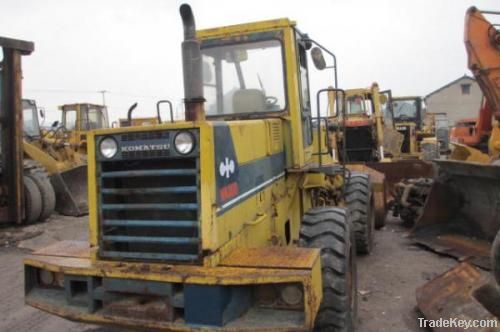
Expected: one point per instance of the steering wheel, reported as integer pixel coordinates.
(271, 101)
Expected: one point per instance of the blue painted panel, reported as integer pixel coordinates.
(152, 223)
(151, 239)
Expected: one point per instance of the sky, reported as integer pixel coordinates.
(131, 48)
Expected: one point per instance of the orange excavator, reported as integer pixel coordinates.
(474, 132)
(461, 216)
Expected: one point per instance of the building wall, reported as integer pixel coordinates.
(454, 103)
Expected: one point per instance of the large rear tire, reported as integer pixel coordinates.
(495, 258)
(360, 202)
(32, 201)
(47, 191)
(328, 229)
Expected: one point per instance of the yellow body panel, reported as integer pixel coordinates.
(248, 237)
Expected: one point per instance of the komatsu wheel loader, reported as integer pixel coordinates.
(222, 221)
(460, 217)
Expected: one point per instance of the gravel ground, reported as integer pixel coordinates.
(387, 278)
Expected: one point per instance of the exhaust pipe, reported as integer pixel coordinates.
(192, 68)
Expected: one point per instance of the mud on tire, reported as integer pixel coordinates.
(359, 201)
(328, 229)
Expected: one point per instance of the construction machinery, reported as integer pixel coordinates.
(367, 136)
(419, 128)
(474, 132)
(222, 221)
(76, 120)
(26, 195)
(65, 165)
(460, 216)
(366, 139)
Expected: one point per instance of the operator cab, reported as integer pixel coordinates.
(84, 117)
(31, 125)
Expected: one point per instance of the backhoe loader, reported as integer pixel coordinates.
(222, 221)
(65, 166)
(460, 217)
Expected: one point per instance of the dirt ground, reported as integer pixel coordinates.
(387, 278)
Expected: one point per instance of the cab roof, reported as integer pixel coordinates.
(239, 29)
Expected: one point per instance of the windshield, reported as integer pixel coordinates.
(244, 78)
(94, 118)
(31, 126)
(357, 105)
(69, 119)
(405, 109)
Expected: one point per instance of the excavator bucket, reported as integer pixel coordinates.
(461, 215)
(465, 293)
(71, 191)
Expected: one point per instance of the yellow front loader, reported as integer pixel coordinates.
(65, 166)
(234, 219)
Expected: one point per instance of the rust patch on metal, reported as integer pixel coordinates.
(140, 307)
(272, 257)
(453, 295)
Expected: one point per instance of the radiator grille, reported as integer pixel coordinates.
(149, 209)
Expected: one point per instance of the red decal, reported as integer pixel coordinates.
(229, 191)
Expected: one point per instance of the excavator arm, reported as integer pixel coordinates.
(482, 42)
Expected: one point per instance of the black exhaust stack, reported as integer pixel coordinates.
(192, 68)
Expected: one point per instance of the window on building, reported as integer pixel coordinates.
(465, 89)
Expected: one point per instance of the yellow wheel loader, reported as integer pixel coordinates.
(375, 144)
(65, 165)
(76, 121)
(235, 219)
(460, 216)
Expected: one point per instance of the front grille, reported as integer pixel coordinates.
(360, 144)
(149, 209)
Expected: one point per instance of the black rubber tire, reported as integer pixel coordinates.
(47, 191)
(495, 258)
(360, 203)
(32, 201)
(328, 229)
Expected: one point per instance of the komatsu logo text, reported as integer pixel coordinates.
(145, 147)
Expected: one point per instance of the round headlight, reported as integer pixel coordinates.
(108, 147)
(184, 142)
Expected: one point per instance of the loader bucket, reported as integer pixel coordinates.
(395, 171)
(464, 293)
(461, 215)
(71, 191)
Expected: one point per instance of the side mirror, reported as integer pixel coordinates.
(55, 124)
(318, 59)
(42, 113)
